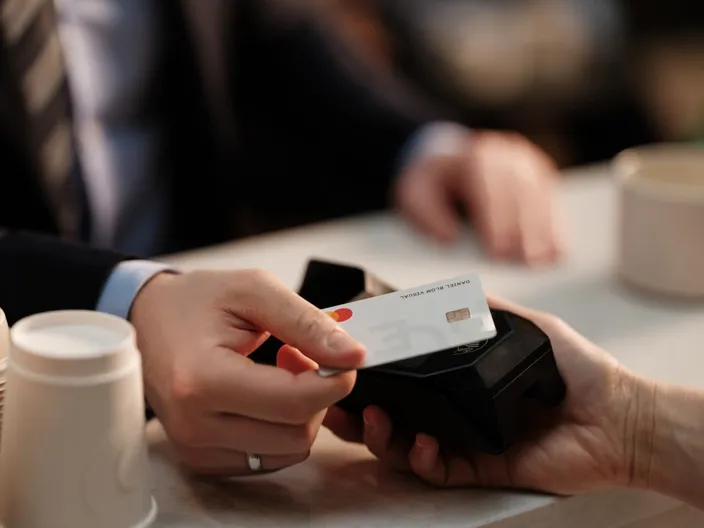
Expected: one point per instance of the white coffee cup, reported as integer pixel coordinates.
(73, 441)
(661, 219)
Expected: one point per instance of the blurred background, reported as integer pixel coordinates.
(195, 122)
(582, 78)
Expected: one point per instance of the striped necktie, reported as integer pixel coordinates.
(32, 40)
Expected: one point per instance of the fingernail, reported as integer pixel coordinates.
(340, 342)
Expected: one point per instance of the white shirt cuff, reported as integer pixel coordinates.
(125, 282)
(434, 139)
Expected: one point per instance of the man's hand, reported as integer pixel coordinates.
(506, 184)
(597, 439)
(195, 332)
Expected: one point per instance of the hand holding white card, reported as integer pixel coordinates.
(422, 320)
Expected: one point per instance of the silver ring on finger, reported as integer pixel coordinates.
(254, 462)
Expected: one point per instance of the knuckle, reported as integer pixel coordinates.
(185, 390)
(248, 288)
(246, 282)
(186, 397)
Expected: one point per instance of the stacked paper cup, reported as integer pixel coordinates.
(73, 447)
(4, 346)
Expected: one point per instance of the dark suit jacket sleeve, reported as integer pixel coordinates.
(41, 273)
(330, 117)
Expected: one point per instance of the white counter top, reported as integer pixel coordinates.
(340, 485)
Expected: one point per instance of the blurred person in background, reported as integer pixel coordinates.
(559, 71)
(584, 79)
(667, 52)
(150, 127)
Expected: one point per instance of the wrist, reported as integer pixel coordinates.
(144, 306)
(639, 430)
(670, 450)
(439, 138)
(125, 282)
(147, 298)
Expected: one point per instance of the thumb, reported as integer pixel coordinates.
(500, 303)
(272, 307)
(552, 325)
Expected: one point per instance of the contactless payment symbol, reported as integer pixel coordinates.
(469, 348)
(341, 314)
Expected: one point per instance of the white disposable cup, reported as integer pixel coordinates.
(4, 336)
(4, 347)
(73, 438)
(661, 219)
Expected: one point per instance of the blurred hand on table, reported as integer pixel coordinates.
(195, 332)
(506, 184)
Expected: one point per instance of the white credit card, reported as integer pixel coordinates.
(422, 320)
